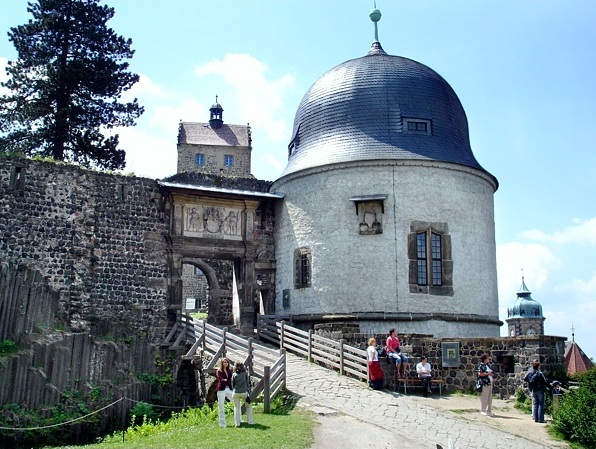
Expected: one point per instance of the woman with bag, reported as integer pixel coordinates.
(224, 388)
(485, 382)
(241, 384)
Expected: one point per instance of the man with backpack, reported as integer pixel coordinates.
(537, 386)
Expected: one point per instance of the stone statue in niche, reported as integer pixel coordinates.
(231, 223)
(370, 216)
(192, 220)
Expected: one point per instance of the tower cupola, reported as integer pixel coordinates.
(216, 117)
(524, 315)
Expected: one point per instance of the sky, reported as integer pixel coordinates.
(525, 72)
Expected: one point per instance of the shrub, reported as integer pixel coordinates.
(523, 401)
(143, 411)
(576, 415)
(7, 347)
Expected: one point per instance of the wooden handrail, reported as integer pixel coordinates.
(267, 366)
(346, 359)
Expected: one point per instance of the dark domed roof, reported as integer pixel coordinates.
(524, 306)
(360, 110)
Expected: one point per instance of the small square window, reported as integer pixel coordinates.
(228, 160)
(199, 159)
(417, 126)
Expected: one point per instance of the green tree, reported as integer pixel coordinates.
(66, 85)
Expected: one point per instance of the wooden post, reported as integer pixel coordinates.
(341, 357)
(285, 368)
(309, 352)
(204, 334)
(266, 389)
(281, 335)
(223, 340)
(250, 349)
(259, 318)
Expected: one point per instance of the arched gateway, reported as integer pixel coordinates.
(210, 223)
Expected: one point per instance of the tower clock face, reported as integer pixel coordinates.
(531, 331)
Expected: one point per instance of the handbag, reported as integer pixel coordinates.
(479, 385)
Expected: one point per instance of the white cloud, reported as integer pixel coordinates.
(255, 95)
(147, 154)
(536, 260)
(145, 88)
(584, 287)
(168, 117)
(582, 232)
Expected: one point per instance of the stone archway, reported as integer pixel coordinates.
(213, 226)
(218, 295)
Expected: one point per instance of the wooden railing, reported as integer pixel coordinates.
(266, 365)
(337, 355)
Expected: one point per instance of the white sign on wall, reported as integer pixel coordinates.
(190, 303)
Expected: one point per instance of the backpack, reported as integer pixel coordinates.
(536, 381)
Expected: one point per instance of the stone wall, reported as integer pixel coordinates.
(100, 241)
(195, 286)
(510, 356)
(214, 159)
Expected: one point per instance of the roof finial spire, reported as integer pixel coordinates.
(375, 16)
(572, 332)
(376, 49)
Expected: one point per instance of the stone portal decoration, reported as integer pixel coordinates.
(212, 222)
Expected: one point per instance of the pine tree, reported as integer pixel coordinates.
(66, 85)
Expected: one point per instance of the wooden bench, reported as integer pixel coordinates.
(414, 382)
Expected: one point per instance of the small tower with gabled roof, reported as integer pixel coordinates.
(215, 147)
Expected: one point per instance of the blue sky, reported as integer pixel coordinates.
(525, 72)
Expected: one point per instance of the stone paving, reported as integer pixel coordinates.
(414, 424)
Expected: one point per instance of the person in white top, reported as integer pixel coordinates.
(375, 372)
(424, 371)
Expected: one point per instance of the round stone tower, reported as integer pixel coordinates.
(388, 218)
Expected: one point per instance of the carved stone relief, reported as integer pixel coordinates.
(371, 217)
(213, 222)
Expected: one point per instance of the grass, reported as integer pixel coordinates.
(287, 427)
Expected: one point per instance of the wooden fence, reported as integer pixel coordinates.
(266, 365)
(337, 355)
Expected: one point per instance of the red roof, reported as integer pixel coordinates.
(576, 360)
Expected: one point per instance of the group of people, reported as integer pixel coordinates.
(394, 352)
(235, 386)
(537, 383)
(535, 379)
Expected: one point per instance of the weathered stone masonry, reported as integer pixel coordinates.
(99, 239)
(90, 269)
(84, 283)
